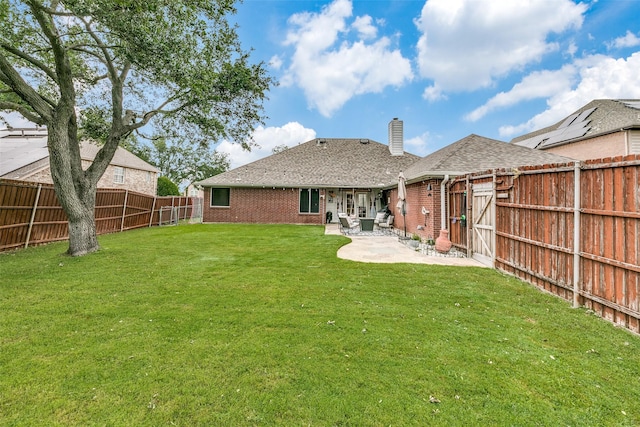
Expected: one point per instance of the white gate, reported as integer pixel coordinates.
(483, 234)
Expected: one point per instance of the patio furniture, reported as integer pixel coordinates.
(381, 216)
(388, 224)
(347, 226)
(366, 224)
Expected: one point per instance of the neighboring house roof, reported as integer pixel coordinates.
(122, 157)
(476, 153)
(600, 116)
(23, 147)
(321, 162)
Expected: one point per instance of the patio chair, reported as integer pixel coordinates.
(347, 226)
(388, 224)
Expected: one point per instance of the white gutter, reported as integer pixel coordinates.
(443, 203)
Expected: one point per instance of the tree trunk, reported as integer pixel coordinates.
(76, 192)
(83, 238)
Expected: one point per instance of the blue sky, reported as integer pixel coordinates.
(447, 68)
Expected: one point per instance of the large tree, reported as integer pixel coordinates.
(102, 69)
(179, 160)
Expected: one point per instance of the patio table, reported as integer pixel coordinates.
(366, 224)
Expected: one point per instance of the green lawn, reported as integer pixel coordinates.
(234, 325)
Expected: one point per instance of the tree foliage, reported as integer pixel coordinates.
(181, 161)
(166, 187)
(176, 65)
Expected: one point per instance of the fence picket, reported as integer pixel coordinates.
(30, 213)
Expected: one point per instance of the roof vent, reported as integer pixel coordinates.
(364, 141)
(321, 142)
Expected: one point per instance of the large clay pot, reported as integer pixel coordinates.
(443, 244)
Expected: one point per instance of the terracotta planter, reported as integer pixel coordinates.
(443, 244)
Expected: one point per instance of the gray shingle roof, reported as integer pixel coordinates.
(598, 117)
(476, 153)
(352, 163)
(22, 147)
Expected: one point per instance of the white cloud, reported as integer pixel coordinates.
(539, 84)
(275, 62)
(466, 44)
(290, 134)
(418, 144)
(365, 28)
(330, 68)
(598, 77)
(628, 40)
(433, 93)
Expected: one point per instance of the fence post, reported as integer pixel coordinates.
(153, 207)
(33, 215)
(576, 234)
(494, 216)
(124, 209)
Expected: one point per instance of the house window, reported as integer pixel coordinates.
(220, 197)
(309, 200)
(118, 175)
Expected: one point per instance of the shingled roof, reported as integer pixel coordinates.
(600, 116)
(23, 147)
(321, 163)
(476, 153)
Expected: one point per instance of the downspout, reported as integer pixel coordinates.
(443, 204)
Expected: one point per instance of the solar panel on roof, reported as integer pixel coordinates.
(583, 116)
(568, 121)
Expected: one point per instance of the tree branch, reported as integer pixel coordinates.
(39, 64)
(77, 48)
(26, 113)
(63, 68)
(107, 59)
(9, 76)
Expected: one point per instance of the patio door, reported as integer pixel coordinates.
(483, 234)
(363, 204)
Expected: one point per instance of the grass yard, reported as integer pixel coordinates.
(243, 325)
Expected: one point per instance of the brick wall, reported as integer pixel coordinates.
(419, 196)
(134, 180)
(610, 145)
(262, 206)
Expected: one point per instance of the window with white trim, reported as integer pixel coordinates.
(309, 200)
(118, 174)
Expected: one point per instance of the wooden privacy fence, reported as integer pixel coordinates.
(31, 215)
(570, 229)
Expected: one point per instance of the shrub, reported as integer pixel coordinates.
(167, 188)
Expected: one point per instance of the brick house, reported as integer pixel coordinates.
(358, 177)
(310, 182)
(24, 156)
(602, 128)
(427, 211)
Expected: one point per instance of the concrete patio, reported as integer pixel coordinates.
(387, 249)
